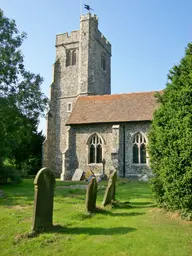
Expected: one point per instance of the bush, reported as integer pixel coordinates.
(9, 175)
(170, 146)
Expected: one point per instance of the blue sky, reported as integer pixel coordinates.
(148, 36)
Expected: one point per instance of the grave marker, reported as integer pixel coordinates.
(91, 195)
(109, 196)
(77, 175)
(43, 204)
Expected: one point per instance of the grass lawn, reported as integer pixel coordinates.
(141, 230)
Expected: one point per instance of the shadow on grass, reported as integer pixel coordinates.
(143, 204)
(128, 205)
(85, 230)
(122, 205)
(115, 214)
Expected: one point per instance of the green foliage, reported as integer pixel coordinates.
(21, 100)
(170, 146)
(9, 174)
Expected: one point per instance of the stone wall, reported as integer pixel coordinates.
(117, 148)
(92, 79)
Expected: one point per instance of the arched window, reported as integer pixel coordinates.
(139, 149)
(103, 62)
(95, 149)
(70, 58)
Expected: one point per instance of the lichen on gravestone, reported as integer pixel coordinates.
(91, 195)
(109, 196)
(43, 203)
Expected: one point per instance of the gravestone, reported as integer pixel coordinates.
(43, 205)
(109, 196)
(91, 195)
(77, 175)
(89, 173)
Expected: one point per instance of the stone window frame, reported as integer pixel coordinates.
(69, 106)
(103, 62)
(71, 57)
(144, 141)
(88, 149)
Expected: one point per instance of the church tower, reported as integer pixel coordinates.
(82, 67)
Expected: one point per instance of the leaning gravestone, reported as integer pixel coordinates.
(91, 195)
(43, 205)
(109, 196)
(77, 175)
(89, 173)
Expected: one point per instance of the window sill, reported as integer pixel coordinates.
(95, 164)
(139, 164)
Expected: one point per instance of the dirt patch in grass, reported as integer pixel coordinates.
(19, 207)
(170, 215)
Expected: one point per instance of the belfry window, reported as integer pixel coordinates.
(139, 149)
(73, 58)
(95, 149)
(70, 58)
(103, 62)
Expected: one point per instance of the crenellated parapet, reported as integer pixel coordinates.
(88, 16)
(65, 38)
(103, 41)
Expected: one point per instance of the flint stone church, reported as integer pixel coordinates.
(87, 127)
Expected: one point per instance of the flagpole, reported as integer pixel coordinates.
(81, 7)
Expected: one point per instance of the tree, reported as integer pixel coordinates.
(170, 140)
(21, 99)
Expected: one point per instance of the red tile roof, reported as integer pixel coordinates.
(113, 108)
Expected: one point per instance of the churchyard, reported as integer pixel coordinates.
(132, 226)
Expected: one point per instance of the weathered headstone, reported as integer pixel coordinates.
(77, 175)
(89, 173)
(109, 196)
(91, 195)
(43, 205)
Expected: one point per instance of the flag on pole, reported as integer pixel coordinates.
(87, 7)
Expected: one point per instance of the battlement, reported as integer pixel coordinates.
(67, 38)
(102, 40)
(89, 16)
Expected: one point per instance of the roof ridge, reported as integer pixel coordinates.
(118, 94)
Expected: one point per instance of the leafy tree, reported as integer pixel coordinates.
(170, 140)
(21, 99)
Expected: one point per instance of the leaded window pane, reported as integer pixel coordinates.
(99, 154)
(92, 154)
(135, 154)
(95, 149)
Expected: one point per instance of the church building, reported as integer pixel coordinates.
(87, 126)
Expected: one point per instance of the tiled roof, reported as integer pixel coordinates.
(113, 108)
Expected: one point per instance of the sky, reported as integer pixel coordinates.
(148, 37)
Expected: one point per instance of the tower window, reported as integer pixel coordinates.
(95, 149)
(103, 62)
(71, 58)
(69, 107)
(139, 149)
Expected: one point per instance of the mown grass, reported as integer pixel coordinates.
(121, 230)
